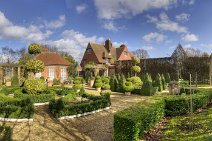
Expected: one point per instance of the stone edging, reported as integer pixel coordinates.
(40, 104)
(16, 120)
(84, 114)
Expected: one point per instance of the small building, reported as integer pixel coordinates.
(55, 66)
(105, 56)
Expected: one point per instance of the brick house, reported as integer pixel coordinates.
(105, 56)
(55, 66)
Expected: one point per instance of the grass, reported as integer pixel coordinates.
(187, 128)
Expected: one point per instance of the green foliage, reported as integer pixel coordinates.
(6, 132)
(42, 78)
(106, 83)
(136, 69)
(34, 48)
(78, 83)
(15, 81)
(15, 108)
(179, 104)
(70, 96)
(158, 83)
(121, 80)
(105, 92)
(147, 88)
(45, 96)
(183, 83)
(105, 87)
(130, 124)
(167, 78)
(98, 82)
(180, 127)
(34, 66)
(163, 82)
(56, 82)
(61, 108)
(136, 60)
(34, 86)
(128, 87)
(113, 83)
(8, 90)
(136, 81)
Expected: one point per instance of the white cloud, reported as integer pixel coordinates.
(74, 43)
(190, 38)
(187, 46)
(148, 47)
(154, 36)
(183, 17)
(111, 26)
(165, 24)
(114, 9)
(8, 30)
(60, 22)
(80, 8)
(206, 45)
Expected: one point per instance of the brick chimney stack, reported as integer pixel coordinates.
(108, 45)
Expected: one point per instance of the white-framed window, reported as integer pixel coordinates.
(38, 75)
(51, 72)
(63, 74)
(126, 53)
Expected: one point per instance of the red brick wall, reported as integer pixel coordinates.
(57, 72)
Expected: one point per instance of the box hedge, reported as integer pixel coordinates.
(130, 124)
(45, 96)
(61, 108)
(9, 90)
(15, 108)
(5, 133)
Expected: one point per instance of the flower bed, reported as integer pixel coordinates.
(61, 107)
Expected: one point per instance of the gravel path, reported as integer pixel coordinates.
(95, 127)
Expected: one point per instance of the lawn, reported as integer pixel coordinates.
(195, 128)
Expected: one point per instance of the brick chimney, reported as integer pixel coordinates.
(108, 45)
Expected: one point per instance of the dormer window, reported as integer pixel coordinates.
(126, 53)
(89, 50)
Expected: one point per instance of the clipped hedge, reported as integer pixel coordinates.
(15, 108)
(60, 108)
(130, 124)
(6, 132)
(179, 104)
(9, 90)
(46, 96)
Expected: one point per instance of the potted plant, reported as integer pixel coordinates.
(128, 88)
(91, 82)
(98, 85)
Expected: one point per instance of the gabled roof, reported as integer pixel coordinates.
(100, 51)
(51, 58)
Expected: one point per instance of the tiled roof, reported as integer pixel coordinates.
(51, 58)
(100, 52)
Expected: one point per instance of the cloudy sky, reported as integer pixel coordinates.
(155, 25)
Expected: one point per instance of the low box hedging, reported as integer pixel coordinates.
(15, 108)
(5, 133)
(46, 96)
(9, 90)
(179, 104)
(130, 124)
(61, 108)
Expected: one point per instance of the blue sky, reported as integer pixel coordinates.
(155, 25)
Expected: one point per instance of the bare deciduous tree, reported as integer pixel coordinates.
(141, 53)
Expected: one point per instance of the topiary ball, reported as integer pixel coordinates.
(34, 86)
